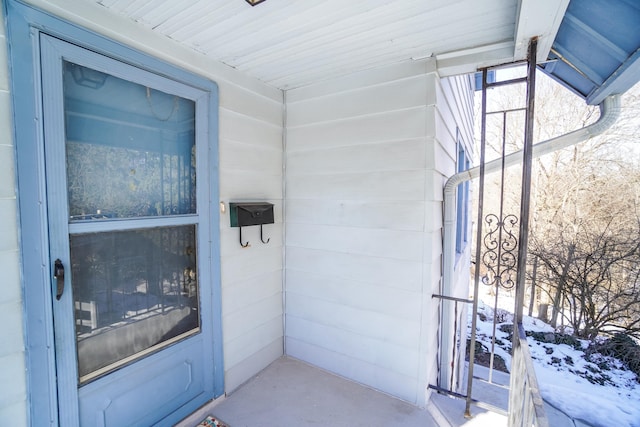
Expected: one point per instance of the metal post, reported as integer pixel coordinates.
(476, 276)
(527, 163)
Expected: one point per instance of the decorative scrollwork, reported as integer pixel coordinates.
(500, 251)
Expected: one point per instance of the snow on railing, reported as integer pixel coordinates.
(526, 407)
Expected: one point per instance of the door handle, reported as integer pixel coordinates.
(58, 274)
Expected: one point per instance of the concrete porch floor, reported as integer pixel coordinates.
(291, 393)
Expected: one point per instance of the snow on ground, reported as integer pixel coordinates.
(562, 373)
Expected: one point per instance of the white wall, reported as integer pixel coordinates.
(13, 398)
(250, 170)
(366, 157)
(250, 149)
(454, 114)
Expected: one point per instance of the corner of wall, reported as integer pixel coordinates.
(13, 399)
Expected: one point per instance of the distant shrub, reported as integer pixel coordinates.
(507, 328)
(483, 357)
(622, 347)
(556, 338)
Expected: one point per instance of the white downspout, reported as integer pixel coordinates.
(609, 113)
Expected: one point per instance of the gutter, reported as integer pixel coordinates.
(609, 113)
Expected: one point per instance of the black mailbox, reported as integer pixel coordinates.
(251, 213)
(255, 213)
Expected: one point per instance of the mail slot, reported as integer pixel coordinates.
(254, 213)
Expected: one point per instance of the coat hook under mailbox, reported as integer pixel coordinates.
(263, 238)
(245, 245)
(251, 213)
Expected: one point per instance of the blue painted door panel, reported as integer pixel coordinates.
(174, 381)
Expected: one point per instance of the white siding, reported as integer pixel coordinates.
(365, 166)
(250, 169)
(366, 160)
(13, 395)
(250, 151)
(454, 106)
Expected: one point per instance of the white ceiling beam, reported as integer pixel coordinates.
(470, 60)
(537, 18)
(534, 18)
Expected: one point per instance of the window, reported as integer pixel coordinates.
(130, 166)
(462, 215)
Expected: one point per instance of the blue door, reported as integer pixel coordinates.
(129, 188)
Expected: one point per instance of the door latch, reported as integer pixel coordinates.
(58, 274)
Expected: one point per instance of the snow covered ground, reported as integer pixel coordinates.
(610, 399)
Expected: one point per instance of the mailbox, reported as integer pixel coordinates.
(251, 213)
(256, 213)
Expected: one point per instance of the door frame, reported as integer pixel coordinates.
(24, 26)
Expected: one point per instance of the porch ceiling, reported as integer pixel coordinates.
(292, 43)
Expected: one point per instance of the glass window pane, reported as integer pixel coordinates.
(130, 149)
(134, 292)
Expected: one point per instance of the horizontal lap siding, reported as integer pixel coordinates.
(250, 170)
(407, 215)
(13, 394)
(385, 243)
(356, 158)
(453, 115)
(397, 125)
(374, 270)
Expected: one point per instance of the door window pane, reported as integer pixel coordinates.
(134, 292)
(130, 149)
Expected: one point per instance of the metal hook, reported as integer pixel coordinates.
(243, 245)
(261, 236)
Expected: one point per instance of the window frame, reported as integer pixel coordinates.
(462, 197)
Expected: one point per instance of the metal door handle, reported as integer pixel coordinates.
(58, 274)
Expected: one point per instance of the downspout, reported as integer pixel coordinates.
(609, 113)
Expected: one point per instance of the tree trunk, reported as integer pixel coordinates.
(543, 312)
(532, 298)
(557, 299)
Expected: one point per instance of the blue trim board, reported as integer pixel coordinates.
(596, 52)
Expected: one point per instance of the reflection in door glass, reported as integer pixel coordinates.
(134, 292)
(130, 148)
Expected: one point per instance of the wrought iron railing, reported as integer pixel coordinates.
(526, 407)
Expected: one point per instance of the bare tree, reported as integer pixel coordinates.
(595, 273)
(585, 230)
